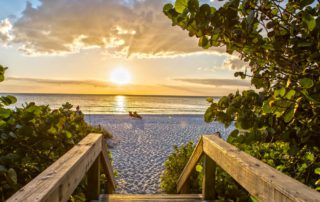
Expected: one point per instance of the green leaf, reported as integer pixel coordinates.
(280, 167)
(258, 82)
(280, 92)
(210, 99)
(233, 136)
(317, 171)
(12, 99)
(306, 94)
(193, 5)
(310, 157)
(289, 115)
(5, 113)
(223, 102)
(68, 135)
(12, 176)
(8, 100)
(208, 115)
(199, 168)
(167, 7)
(274, 11)
(181, 5)
(266, 107)
(2, 123)
(306, 83)
(52, 130)
(309, 21)
(204, 42)
(290, 94)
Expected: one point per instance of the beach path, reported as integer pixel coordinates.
(140, 147)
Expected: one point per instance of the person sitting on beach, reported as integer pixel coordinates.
(134, 115)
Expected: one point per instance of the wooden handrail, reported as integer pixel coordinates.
(60, 179)
(182, 186)
(259, 179)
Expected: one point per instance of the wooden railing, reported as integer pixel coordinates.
(260, 180)
(60, 179)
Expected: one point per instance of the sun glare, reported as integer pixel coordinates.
(120, 76)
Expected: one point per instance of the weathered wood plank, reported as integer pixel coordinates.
(209, 178)
(93, 175)
(195, 157)
(259, 179)
(154, 196)
(185, 189)
(151, 197)
(60, 179)
(107, 168)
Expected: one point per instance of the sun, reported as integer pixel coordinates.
(120, 76)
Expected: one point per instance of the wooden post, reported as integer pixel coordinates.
(186, 187)
(107, 168)
(208, 188)
(94, 181)
(194, 159)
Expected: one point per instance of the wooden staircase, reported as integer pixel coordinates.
(263, 182)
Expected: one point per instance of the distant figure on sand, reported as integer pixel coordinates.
(78, 111)
(134, 115)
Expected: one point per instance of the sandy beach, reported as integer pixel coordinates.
(140, 147)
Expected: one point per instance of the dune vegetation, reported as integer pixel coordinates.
(32, 137)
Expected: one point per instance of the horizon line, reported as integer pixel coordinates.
(102, 94)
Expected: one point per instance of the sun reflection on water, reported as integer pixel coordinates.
(120, 104)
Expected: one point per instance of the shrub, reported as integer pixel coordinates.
(173, 169)
(304, 167)
(300, 166)
(226, 187)
(32, 138)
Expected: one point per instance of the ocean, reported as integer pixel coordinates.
(119, 104)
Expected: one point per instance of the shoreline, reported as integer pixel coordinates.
(144, 115)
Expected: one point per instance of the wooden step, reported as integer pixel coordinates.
(151, 197)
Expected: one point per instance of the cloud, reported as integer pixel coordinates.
(235, 63)
(217, 82)
(5, 28)
(121, 28)
(59, 82)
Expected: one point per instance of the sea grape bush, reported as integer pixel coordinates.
(226, 187)
(32, 137)
(279, 41)
(174, 166)
(300, 166)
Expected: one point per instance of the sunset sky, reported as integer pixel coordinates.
(75, 46)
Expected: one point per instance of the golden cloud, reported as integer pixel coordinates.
(121, 28)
